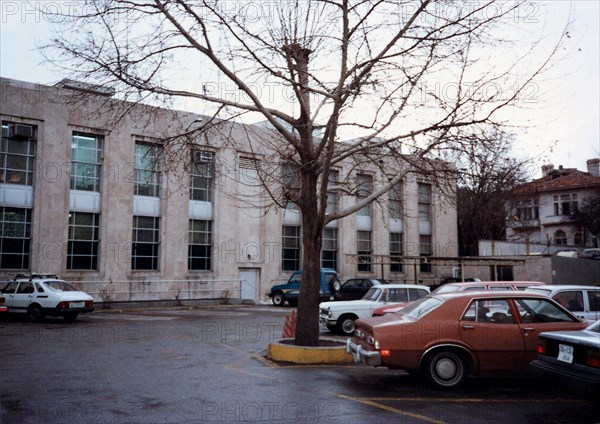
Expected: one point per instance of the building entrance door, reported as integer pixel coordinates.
(249, 278)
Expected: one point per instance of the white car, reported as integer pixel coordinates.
(340, 316)
(582, 301)
(38, 295)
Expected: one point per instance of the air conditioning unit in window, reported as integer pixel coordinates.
(21, 131)
(200, 156)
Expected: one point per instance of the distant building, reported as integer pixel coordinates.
(81, 196)
(540, 208)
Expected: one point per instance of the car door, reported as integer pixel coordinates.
(592, 307)
(537, 315)
(355, 289)
(489, 328)
(23, 296)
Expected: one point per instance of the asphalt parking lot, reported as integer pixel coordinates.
(208, 365)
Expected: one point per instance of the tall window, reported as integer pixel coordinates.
(86, 162)
(425, 251)
(291, 184)
(332, 192)
(15, 238)
(84, 240)
(147, 169)
(290, 255)
(528, 209)
(17, 154)
(146, 243)
(560, 238)
(395, 251)
(364, 187)
(424, 202)
(329, 248)
(565, 204)
(364, 250)
(202, 176)
(395, 195)
(200, 247)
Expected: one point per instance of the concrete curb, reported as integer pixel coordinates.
(280, 351)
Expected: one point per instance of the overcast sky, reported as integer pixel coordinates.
(565, 113)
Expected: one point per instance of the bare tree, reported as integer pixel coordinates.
(398, 80)
(586, 216)
(486, 173)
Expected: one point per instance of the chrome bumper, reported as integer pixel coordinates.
(360, 355)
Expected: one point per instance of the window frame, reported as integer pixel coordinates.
(76, 182)
(92, 243)
(196, 261)
(140, 261)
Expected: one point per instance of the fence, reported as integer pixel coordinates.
(156, 290)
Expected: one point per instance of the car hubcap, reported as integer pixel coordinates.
(445, 369)
(348, 326)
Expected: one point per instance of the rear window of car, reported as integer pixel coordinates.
(448, 288)
(60, 286)
(421, 307)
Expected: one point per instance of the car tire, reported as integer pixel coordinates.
(345, 325)
(35, 313)
(278, 299)
(335, 286)
(70, 316)
(446, 369)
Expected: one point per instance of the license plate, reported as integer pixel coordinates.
(565, 353)
(77, 304)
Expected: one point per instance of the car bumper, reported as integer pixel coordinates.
(576, 377)
(56, 311)
(361, 355)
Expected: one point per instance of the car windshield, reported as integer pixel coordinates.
(595, 327)
(372, 294)
(421, 307)
(60, 286)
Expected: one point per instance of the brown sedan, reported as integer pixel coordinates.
(447, 337)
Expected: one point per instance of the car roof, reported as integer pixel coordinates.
(489, 294)
(399, 286)
(566, 286)
(496, 283)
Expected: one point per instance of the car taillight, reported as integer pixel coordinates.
(1, 301)
(63, 305)
(593, 358)
(541, 349)
(385, 353)
(89, 303)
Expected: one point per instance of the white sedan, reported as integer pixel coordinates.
(340, 316)
(41, 295)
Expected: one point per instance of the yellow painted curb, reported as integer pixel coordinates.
(283, 352)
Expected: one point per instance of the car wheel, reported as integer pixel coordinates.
(35, 313)
(278, 299)
(345, 325)
(446, 370)
(70, 316)
(335, 286)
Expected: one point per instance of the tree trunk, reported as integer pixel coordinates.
(307, 325)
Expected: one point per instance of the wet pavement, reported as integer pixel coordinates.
(208, 365)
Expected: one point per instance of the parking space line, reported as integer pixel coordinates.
(367, 401)
(471, 400)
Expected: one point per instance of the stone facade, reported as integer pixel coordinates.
(245, 238)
